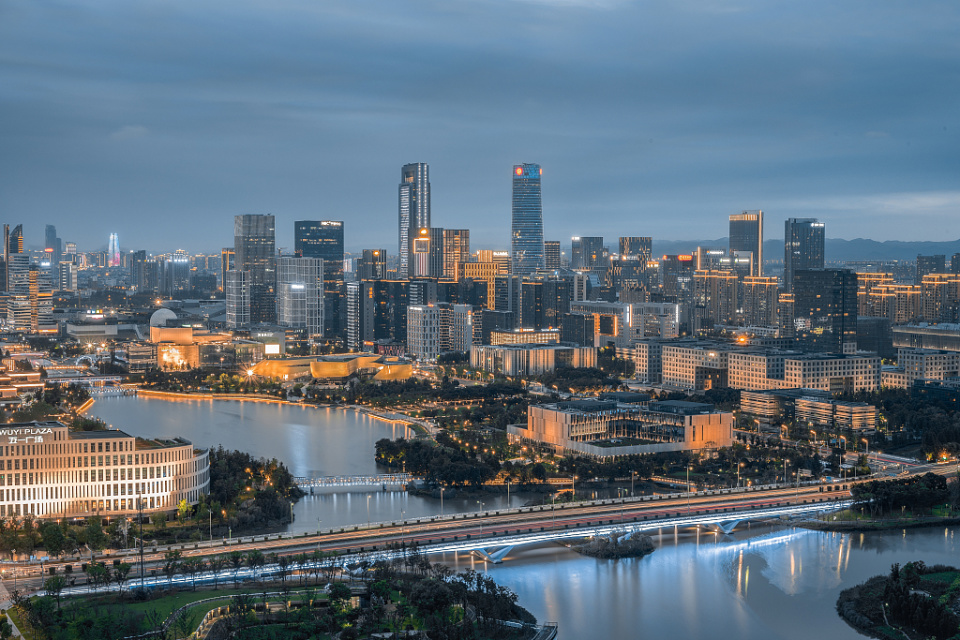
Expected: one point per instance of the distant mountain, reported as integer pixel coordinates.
(837, 249)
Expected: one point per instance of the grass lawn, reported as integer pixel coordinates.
(24, 628)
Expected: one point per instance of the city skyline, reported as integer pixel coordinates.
(659, 118)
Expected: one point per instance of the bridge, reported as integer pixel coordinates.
(380, 482)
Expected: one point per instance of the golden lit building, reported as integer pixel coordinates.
(49, 471)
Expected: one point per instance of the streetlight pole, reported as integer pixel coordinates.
(210, 522)
(368, 509)
(633, 474)
(441, 501)
(688, 489)
(140, 518)
(479, 502)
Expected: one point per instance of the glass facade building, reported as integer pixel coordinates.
(323, 239)
(746, 234)
(414, 211)
(803, 240)
(527, 220)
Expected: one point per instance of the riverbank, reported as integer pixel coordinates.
(865, 525)
(392, 418)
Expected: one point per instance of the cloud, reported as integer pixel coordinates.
(129, 132)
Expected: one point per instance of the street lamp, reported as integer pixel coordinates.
(368, 509)
(688, 489)
(442, 489)
(739, 467)
(479, 502)
(633, 474)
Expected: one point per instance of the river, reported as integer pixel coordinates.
(760, 583)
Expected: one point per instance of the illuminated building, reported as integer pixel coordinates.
(426, 258)
(439, 328)
(373, 265)
(677, 276)
(551, 254)
(544, 302)
(715, 297)
(53, 472)
(526, 220)
(530, 359)
(254, 238)
(760, 297)
(940, 295)
(30, 308)
(746, 234)
(586, 252)
(300, 294)
(414, 211)
(930, 264)
(524, 336)
(323, 239)
(825, 309)
(227, 263)
(238, 298)
(53, 246)
(639, 247)
(113, 251)
(456, 250)
(181, 348)
(803, 247)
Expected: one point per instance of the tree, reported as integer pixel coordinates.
(431, 597)
(339, 593)
(255, 560)
(121, 573)
(217, 564)
(236, 559)
(284, 563)
(97, 575)
(95, 537)
(54, 586)
(193, 566)
(53, 539)
(183, 511)
(159, 520)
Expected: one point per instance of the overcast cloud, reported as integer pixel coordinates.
(161, 120)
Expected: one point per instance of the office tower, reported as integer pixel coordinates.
(638, 247)
(300, 294)
(715, 295)
(323, 239)
(113, 251)
(30, 308)
(67, 276)
(551, 254)
(677, 278)
(175, 273)
(238, 298)
(254, 240)
(456, 250)
(426, 257)
(138, 276)
(544, 302)
(930, 264)
(627, 276)
(760, 298)
(15, 240)
(506, 296)
(53, 245)
(376, 312)
(803, 242)
(785, 316)
(373, 265)
(527, 220)
(586, 252)
(414, 202)
(825, 309)
(746, 234)
(709, 259)
(940, 297)
(228, 258)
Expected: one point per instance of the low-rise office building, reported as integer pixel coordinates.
(517, 360)
(812, 406)
(49, 471)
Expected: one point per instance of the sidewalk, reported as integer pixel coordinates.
(6, 603)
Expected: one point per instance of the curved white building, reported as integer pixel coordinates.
(49, 471)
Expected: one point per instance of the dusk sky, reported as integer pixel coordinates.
(161, 120)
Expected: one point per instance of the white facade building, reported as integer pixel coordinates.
(300, 294)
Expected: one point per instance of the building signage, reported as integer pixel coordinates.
(25, 434)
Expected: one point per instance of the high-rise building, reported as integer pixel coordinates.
(300, 294)
(803, 247)
(677, 271)
(930, 264)
(113, 251)
(414, 214)
(323, 239)
(175, 273)
(456, 250)
(254, 240)
(551, 254)
(825, 309)
(639, 247)
(543, 303)
(586, 252)
(67, 272)
(138, 275)
(228, 262)
(30, 308)
(372, 265)
(53, 246)
(715, 295)
(760, 298)
(746, 234)
(527, 220)
(237, 291)
(426, 256)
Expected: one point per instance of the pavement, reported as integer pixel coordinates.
(6, 603)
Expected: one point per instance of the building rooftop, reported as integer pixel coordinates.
(97, 435)
(681, 407)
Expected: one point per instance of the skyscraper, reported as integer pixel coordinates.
(551, 254)
(323, 239)
(825, 309)
(930, 264)
(803, 240)
(113, 251)
(639, 247)
(456, 250)
(373, 265)
(254, 240)
(586, 252)
(746, 234)
(527, 220)
(414, 210)
(299, 294)
(53, 246)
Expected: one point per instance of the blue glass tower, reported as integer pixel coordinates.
(527, 232)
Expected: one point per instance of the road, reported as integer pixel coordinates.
(488, 525)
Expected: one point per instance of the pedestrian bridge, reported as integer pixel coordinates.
(380, 482)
